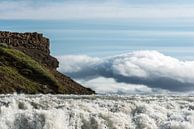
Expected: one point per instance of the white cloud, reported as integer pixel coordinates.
(150, 64)
(149, 68)
(109, 85)
(92, 10)
(75, 63)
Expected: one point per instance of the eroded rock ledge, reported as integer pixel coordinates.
(32, 44)
(21, 73)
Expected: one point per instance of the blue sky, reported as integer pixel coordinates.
(106, 27)
(89, 38)
(106, 38)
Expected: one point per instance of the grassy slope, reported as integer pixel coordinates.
(20, 73)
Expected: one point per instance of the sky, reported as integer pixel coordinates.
(108, 31)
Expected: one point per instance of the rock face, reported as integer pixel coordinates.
(32, 44)
(26, 66)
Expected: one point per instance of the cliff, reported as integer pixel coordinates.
(32, 44)
(26, 66)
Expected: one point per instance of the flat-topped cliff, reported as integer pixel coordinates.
(26, 66)
(32, 44)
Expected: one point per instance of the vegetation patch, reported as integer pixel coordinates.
(20, 73)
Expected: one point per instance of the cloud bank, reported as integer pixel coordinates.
(109, 85)
(148, 69)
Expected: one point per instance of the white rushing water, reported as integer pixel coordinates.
(96, 112)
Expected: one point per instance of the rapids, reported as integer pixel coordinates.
(96, 112)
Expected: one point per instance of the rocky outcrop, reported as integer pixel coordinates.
(32, 44)
(20, 72)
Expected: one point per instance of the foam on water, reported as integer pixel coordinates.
(96, 112)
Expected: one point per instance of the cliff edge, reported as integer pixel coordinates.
(26, 66)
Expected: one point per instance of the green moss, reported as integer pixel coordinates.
(20, 72)
(3, 45)
(28, 62)
(15, 82)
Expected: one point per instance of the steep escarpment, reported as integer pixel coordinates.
(26, 66)
(32, 44)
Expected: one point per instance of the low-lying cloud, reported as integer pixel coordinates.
(140, 68)
(109, 85)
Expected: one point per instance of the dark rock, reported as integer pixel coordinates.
(26, 78)
(32, 44)
(27, 72)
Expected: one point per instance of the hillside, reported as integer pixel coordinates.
(22, 73)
